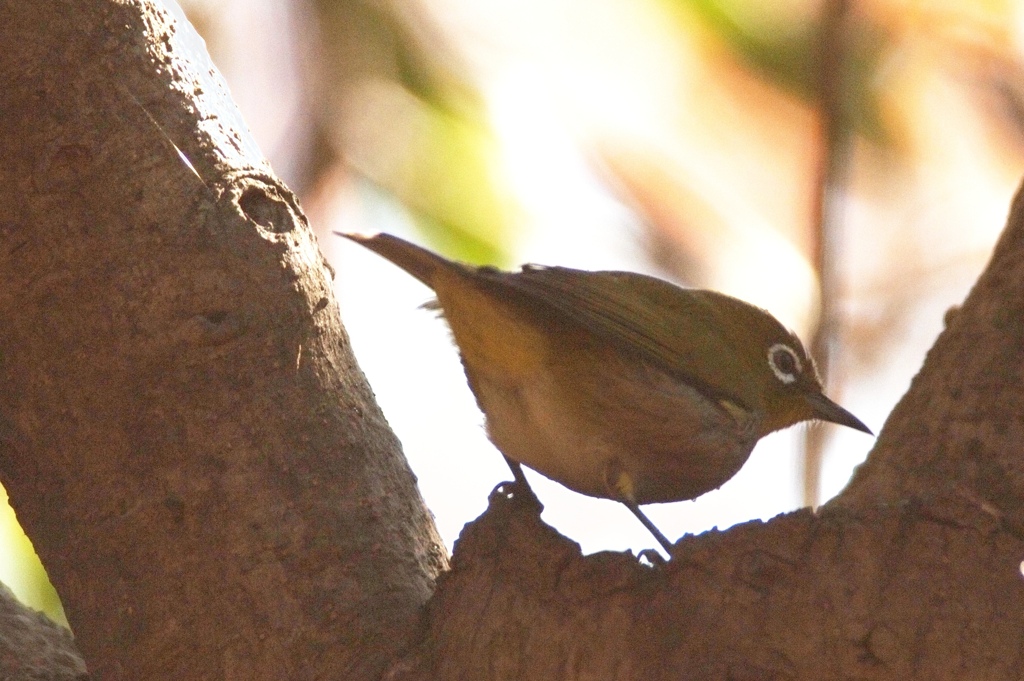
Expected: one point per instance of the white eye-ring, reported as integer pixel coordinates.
(784, 362)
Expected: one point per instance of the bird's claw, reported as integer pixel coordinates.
(515, 491)
(651, 557)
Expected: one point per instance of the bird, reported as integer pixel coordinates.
(618, 385)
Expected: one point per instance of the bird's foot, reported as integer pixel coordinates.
(518, 492)
(651, 558)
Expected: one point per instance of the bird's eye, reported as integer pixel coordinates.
(784, 362)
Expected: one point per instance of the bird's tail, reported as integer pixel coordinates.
(416, 260)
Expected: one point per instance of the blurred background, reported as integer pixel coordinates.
(846, 165)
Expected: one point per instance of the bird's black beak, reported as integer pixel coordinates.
(827, 410)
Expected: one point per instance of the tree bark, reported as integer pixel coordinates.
(183, 432)
(32, 648)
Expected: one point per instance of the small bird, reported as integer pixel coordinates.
(618, 385)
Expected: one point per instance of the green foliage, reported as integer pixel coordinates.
(21, 570)
(785, 50)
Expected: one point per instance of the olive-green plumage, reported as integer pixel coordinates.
(617, 384)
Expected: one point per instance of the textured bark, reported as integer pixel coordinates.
(927, 590)
(32, 648)
(183, 432)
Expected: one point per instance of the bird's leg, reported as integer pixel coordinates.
(517, 472)
(620, 485)
(662, 539)
(523, 491)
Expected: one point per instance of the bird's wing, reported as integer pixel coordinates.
(674, 328)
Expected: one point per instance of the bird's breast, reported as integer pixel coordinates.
(570, 407)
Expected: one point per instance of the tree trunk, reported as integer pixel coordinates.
(187, 441)
(183, 432)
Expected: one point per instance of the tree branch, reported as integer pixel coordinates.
(183, 431)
